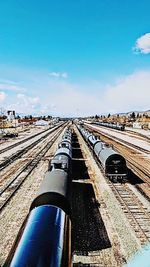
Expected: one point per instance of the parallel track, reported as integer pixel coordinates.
(139, 170)
(19, 153)
(137, 215)
(119, 140)
(11, 188)
(126, 132)
(139, 134)
(24, 140)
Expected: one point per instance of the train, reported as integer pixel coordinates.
(113, 163)
(45, 237)
(116, 126)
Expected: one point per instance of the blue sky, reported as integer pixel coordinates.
(74, 57)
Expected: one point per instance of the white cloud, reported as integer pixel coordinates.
(143, 44)
(64, 75)
(132, 92)
(11, 86)
(22, 103)
(72, 102)
(63, 98)
(27, 101)
(59, 74)
(2, 96)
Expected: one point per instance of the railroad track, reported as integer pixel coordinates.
(142, 172)
(24, 140)
(128, 133)
(138, 134)
(119, 140)
(139, 171)
(137, 215)
(21, 152)
(21, 142)
(10, 189)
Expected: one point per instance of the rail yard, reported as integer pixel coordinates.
(102, 197)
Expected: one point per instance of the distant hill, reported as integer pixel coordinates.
(135, 111)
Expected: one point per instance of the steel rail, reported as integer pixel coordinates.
(19, 153)
(119, 140)
(24, 140)
(15, 184)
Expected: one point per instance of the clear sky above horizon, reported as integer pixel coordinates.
(76, 58)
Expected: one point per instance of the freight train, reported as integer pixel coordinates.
(45, 239)
(120, 127)
(113, 163)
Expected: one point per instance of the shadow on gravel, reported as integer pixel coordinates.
(76, 153)
(79, 169)
(75, 141)
(133, 178)
(88, 230)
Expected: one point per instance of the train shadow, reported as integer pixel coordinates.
(75, 142)
(79, 169)
(133, 179)
(88, 230)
